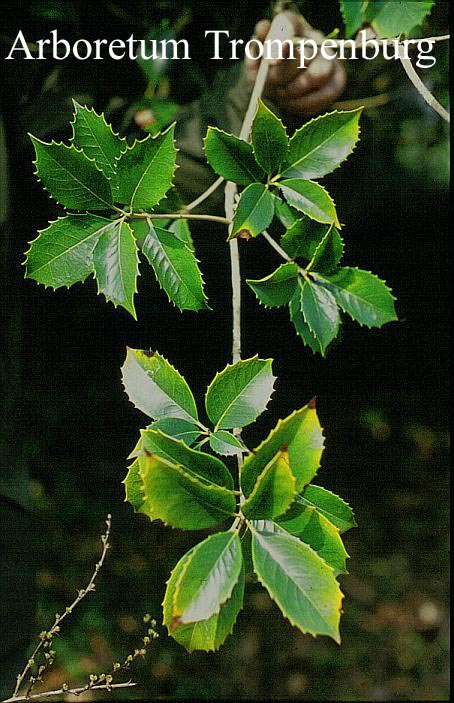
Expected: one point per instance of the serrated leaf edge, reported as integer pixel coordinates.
(109, 206)
(287, 617)
(318, 118)
(241, 362)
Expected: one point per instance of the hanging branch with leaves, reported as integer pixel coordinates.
(122, 210)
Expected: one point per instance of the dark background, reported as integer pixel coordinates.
(382, 395)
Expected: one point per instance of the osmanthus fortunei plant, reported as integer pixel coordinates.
(269, 521)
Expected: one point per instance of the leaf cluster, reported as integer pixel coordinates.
(285, 531)
(312, 284)
(110, 191)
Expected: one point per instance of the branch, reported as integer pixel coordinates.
(421, 88)
(180, 216)
(65, 691)
(46, 636)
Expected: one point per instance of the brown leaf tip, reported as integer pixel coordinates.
(244, 234)
(312, 404)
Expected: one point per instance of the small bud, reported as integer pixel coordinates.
(64, 687)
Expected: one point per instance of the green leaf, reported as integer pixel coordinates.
(253, 213)
(320, 146)
(299, 581)
(176, 268)
(62, 254)
(207, 635)
(278, 288)
(156, 388)
(134, 489)
(300, 324)
(180, 228)
(231, 157)
(328, 252)
(300, 434)
(181, 500)
(303, 237)
(311, 198)
(269, 139)
(273, 491)
(208, 578)
(71, 178)
(390, 19)
(177, 428)
(353, 15)
(95, 137)
(330, 505)
(240, 393)
(226, 444)
(320, 311)
(116, 265)
(204, 467)
(286, 215)
(361, 294)
(145, 171)
(313, 528)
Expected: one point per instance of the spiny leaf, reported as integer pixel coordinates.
(269, 139)
(225, 443)
(311, 198)
(254, 212)
(181, 500)
(145, 171)
(360, 294)
(330, 505)
(278, 288)
(320, 311)
(177, 428)
(313, 528)
(231, 157)
(204, 467)
(300, 434)
(116, 265)
(175, 267)
(320, 146)
(95, 137)
(299, 581)
(156, 388)
(240, 393)
(274, 490)
(328, 252)
(62, 254)
(71, 178)
(208, 578)
(303, 237)
(300, 324)
(207, 635)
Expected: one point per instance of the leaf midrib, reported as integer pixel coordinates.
(202, 584)
(84, 185)
(96, 233)
(309, 153)
(235, 399)
(270, 555)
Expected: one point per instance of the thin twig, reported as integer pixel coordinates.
(203, 196)
(55, 629)
(180, 216)
(421, 88)
(65, 691)
(276, 247)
